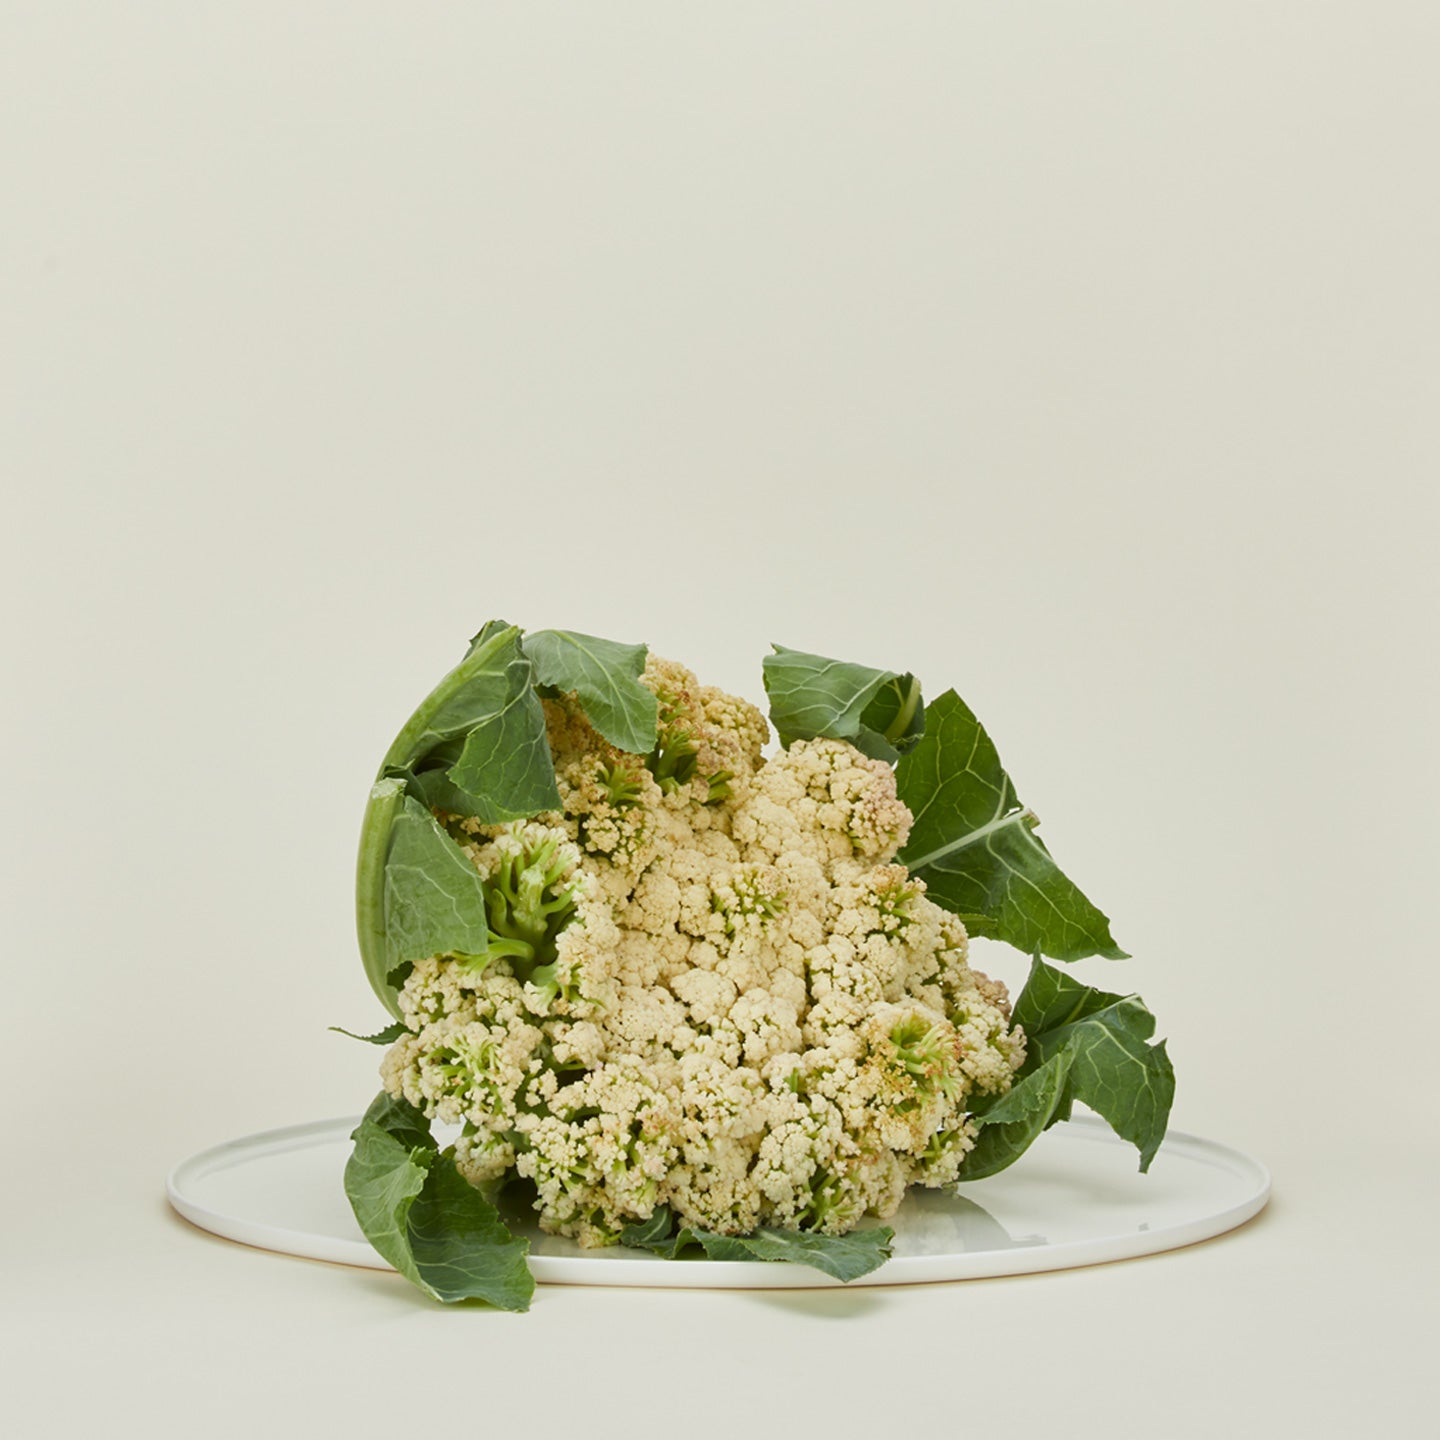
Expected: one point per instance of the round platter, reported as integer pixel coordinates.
(1074, 1199)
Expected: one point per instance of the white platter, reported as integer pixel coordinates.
(1075, 1198)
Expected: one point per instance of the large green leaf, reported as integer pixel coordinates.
(606, 676)
(974, 844)
(846, 1257)
(422, 1216)
(483, 729)
(475, 746)
(1118, 1072)
(505, 759)
(384, 1174)
(879, 711)
(435, 790)
(1083, 1044)
(1052, 999)
(460, 1245)
(1012, 1124)
(434, 897)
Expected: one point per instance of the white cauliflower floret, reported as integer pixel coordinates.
(460, 1068)
(805, 1139)
(824, 798)
(711, 988)
(708, 994)
(768, 1025)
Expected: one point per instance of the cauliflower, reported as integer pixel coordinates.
(707, 985)
(680, 991)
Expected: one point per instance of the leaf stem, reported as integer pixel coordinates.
(1025, 816)
(895, 731)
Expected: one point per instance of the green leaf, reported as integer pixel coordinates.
(487, 632)
(435, 790)
(606, 676)
(845, 1257)
(1052, 999)
(1083, 1044)
(659, 1234)
(974, 845)
(422, 1216)
(1012, 1124)
(475, 746)
(434, 897)
(461, 1247)
(462, 699)
(505, 760)
(1118, 1073)
(484, 726)
(388, 1036)
(385, 1172)
(879, 711)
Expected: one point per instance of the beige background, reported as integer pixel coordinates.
(1083, 357)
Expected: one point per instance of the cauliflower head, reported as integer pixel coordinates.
(708, 986)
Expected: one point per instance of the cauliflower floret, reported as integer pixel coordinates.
(709, 742)
(710, 987)
(824, 798)
(610, 804)
(461, 1068)
(708, 994)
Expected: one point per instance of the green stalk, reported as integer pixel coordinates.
(386, 797)
(895, 731)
